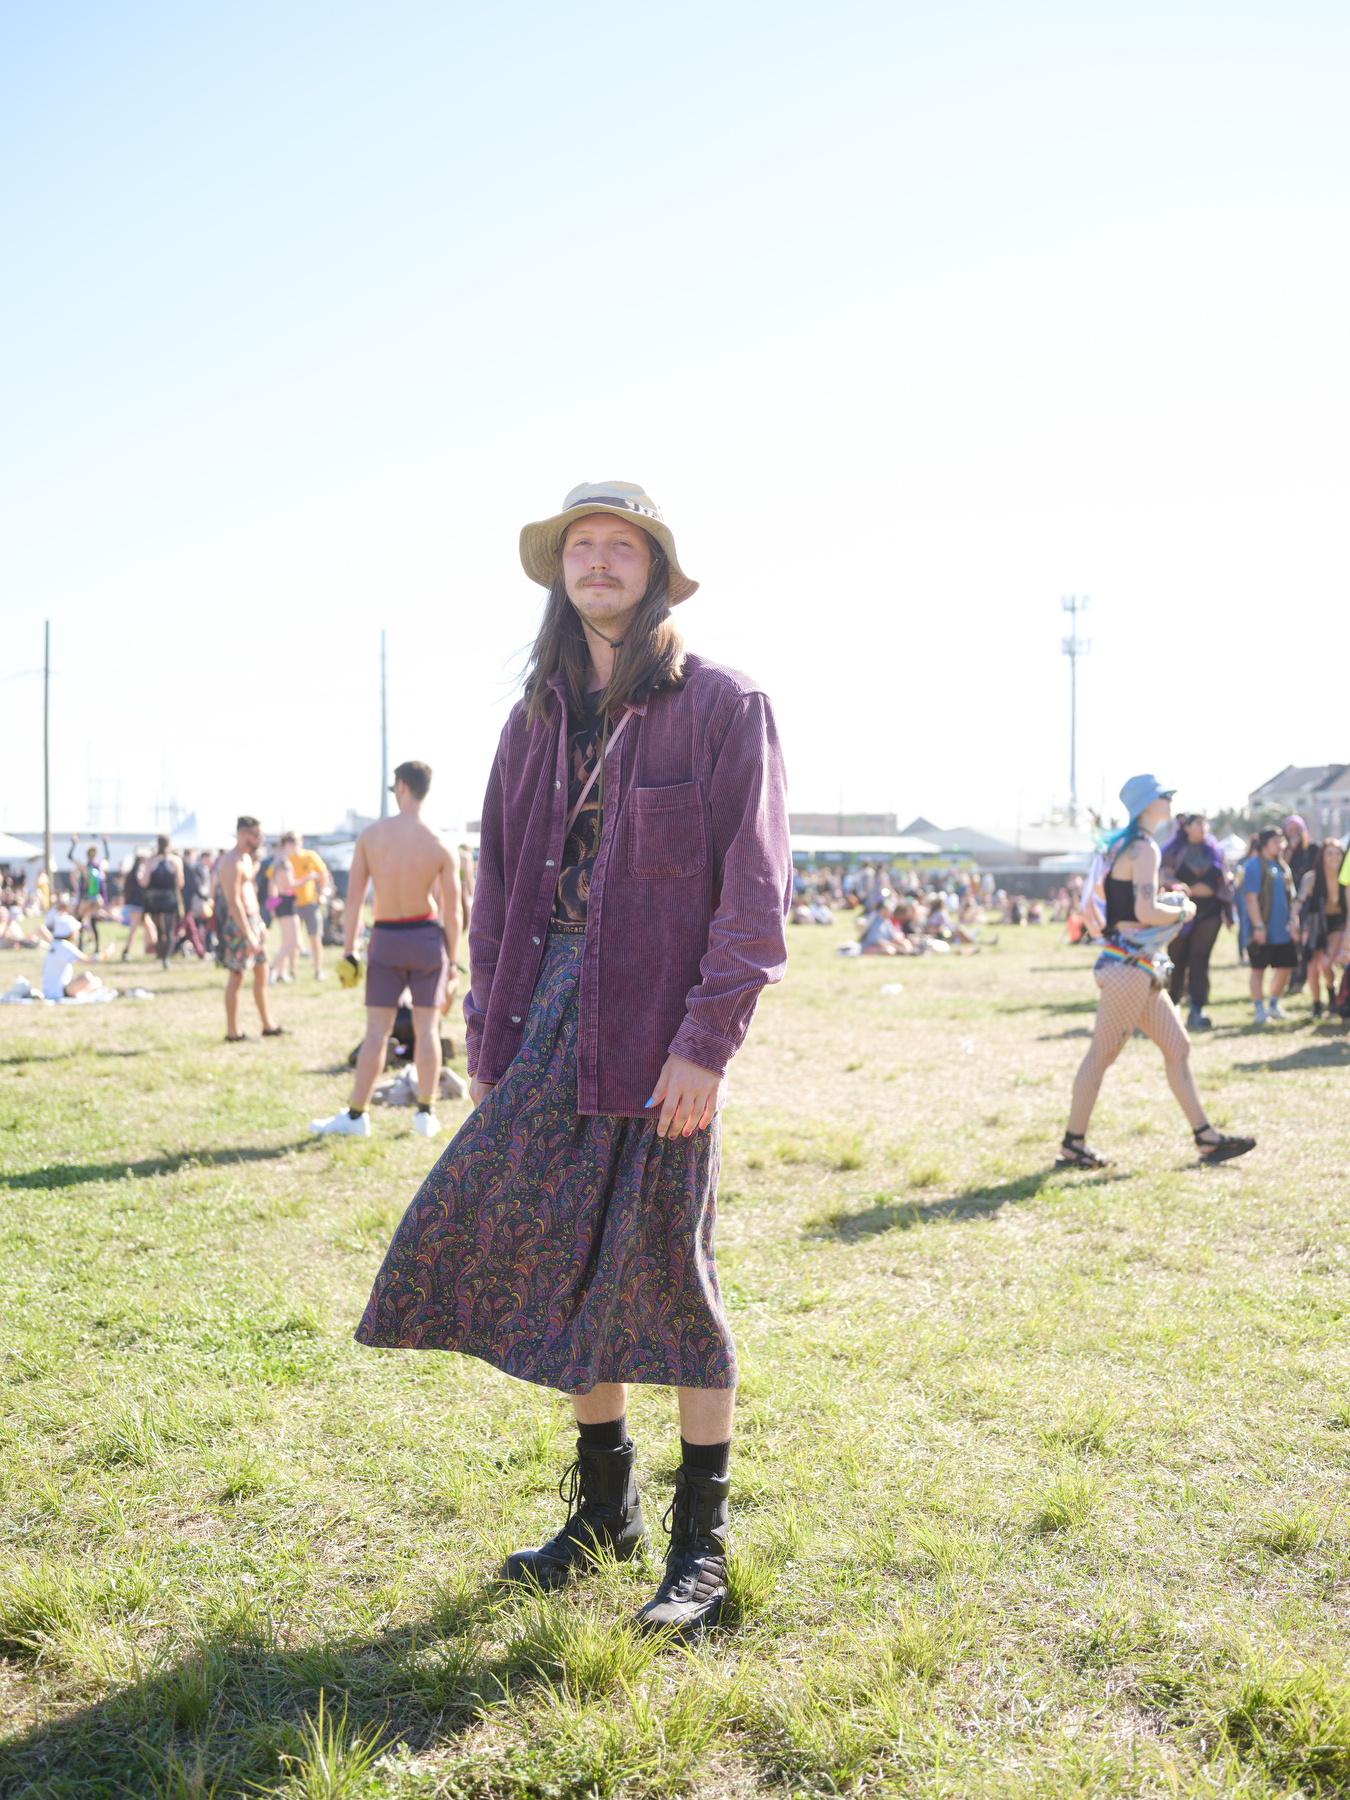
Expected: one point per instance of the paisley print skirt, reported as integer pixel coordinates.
(565, 1250)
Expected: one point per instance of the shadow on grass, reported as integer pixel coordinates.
(233, 1710)
(58, 1175)
(1052, 1006)
(971, 1203)
(1328, 1053)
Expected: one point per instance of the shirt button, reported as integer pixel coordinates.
(534, 940)
(515, 1018)
(548, 862)
(557, 784)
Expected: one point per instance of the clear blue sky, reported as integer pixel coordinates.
(912, 318)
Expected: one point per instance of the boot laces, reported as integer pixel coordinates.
(681, 1509)
(570, 1489)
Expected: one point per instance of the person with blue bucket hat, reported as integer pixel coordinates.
(1134, 923)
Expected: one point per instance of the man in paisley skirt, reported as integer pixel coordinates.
(633, 885)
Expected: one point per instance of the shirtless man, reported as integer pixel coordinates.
(414, 944)
(244, 937)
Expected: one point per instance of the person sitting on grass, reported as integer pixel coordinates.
(60, 981)
(879, 936)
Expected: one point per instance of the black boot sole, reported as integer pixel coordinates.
(526, 1568)
(685, 1630)
(1226, 1152)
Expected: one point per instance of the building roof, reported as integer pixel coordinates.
(1300, 780)
(807, 843)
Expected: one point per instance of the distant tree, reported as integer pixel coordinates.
(1244, 822)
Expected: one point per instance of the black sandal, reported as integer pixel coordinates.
(234, 1040)
(1074, 1154)
(274, 1031)
(1223, 1146)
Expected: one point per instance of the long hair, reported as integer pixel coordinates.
(651, 655)
(1110, 843)
(1177, 843)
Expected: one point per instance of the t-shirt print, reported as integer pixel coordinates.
(583, 840)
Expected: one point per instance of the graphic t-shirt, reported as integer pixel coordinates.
(583, 840)
(1277, 927)
(56, 969)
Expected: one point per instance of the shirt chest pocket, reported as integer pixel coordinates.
(667, 832)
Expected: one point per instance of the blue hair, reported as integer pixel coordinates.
(1110, 842)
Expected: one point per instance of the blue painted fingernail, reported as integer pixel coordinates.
(651, 1102)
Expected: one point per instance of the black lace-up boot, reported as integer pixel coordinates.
(691, 1597)
(604, 1512)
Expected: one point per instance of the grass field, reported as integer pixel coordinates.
(1040, 1480)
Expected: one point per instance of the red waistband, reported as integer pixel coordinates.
(417, 919)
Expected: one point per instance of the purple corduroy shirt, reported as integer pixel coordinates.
(689, 892)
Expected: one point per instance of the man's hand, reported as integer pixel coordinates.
(690, 1097)
(479, 1090)
(1258, 934)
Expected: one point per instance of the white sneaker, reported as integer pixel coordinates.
(426, 1124)
(320, 974)
(1276, 1011)
(342, 1125)
(1260, 1012)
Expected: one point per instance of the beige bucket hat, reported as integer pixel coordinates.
(541, 542)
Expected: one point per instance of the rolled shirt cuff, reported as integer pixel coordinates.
(698, 1047)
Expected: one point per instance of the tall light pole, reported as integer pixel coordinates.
(47, 752)
(384, 738)
(1073, 647)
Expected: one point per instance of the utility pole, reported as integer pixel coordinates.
(1073, 647)
(47, 753)
(384, 737)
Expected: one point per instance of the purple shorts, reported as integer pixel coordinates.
(407, 956)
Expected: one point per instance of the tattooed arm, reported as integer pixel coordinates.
(1151, 908)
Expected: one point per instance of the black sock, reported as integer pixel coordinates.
(354, 1112)
(612, 1435)
(706, 1459)
(424, 1106)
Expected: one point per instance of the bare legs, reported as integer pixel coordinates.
(1279, 981)
(427, 1051)
(705, 1413)
(233, 982)
(286, 959)
(370, 1057)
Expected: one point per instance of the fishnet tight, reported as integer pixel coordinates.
(1129, 999)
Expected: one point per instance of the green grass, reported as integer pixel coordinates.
(1039, 1482)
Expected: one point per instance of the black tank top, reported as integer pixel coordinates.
(162, 878)
(1119, 897)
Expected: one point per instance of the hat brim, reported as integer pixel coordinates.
(541, 542)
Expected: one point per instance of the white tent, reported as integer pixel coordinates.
(14, 849)
(1233, 846)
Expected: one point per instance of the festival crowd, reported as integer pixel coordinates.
(1286, 898)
